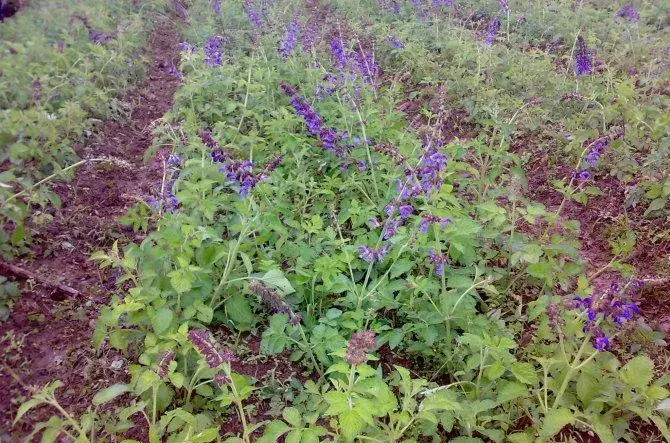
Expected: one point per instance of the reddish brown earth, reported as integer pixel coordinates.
(48, 336)
(650, 258)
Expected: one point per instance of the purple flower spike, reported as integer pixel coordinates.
(339, 53)
(583, 63)
(439, 260)
(216, 5)
(370, 254)
(173, 70)
(290, 39)
(600, 340)
(492, 31)
(204, 342)
(187, 47)
(392, 227)
(406, 211)
(629, 12)
(214, 51)
(253, 14)
(395, 42)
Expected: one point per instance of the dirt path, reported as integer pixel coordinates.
(48, 336)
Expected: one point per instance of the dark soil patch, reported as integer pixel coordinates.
(48, 336)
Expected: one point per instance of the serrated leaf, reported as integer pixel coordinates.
(510, 391)
(524, 372)
(276, 278)
(161, 320)
(638, 372)
(239, 312)
(400, 267)
(273, 431)
(555, 420)
(351, 424)
(292, 416)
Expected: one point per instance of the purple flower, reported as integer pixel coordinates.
(253, 14)
(187, 47)
(391, 228)
(339, 53)
(370, 254)
(597, 149)
(504, 6)
(367, 66)
(290, 39)
(213, 51)
(492, 31)
(439, 260)
(173, 70)
(428, 220)
(600, 340)
(309, 36)
(629, 12)
(406, 211)
(395, 42)
(204, 342)
(174, 161)
(623, 312)
(584, 175)
(153, 202)
(164, 363)
(216, 5)
(440, 3)
(583, 64)
(173, 201)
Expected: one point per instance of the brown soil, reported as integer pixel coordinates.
(597, 219)
(48, 336)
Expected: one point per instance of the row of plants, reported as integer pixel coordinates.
(63, 65)
(305, 204)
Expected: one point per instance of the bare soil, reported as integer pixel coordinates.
(48, 336)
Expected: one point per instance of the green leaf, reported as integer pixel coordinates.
(519, 437)
(110, 393)
(537, 307)
(25, 407)
(587, 388)
(181, 280)
(494, 371)
(603, 430)
(240, 313)
(276, 278)
(400, 267)
(292, 416)
(525, 373)
(351, 424)
(466, 440)
(161, 320)
(273, 431)
(441, 400)
(555, 420)
(209, 434)
(638, 372)
(511, 390)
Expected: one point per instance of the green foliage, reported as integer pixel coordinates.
(57, 86)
